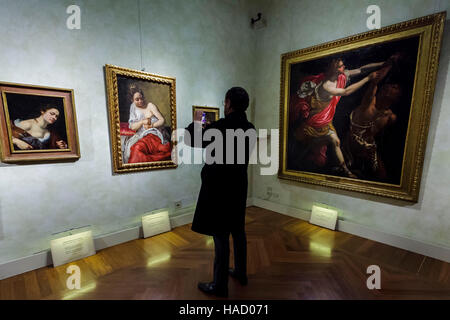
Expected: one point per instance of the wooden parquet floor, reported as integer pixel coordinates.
(287, 259)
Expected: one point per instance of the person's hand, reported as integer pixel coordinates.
(375, 76)
(378, 75)
(22, 145)
(146, 123)
(198, 115)
(61, 144)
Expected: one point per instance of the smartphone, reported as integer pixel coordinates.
(204, 118)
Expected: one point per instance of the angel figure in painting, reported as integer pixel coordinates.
(38, 133)
(151, 141)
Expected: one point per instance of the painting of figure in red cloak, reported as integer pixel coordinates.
(146, 111)
(348, 113)
(355, 112)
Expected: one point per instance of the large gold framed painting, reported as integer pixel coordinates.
(142, 116)
(355, 112)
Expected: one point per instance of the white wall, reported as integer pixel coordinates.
(206, 45)
(294, 25)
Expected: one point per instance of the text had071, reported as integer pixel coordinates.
(230, 309)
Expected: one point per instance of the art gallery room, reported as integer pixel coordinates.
(348, 182)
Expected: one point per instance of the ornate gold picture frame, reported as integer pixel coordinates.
(38, 124)
(355, 112)
(142, 117)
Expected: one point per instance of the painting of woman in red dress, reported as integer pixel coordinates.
(142, 117)
(151, 138)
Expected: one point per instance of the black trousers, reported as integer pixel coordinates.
(222, 256)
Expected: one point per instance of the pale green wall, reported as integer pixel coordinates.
(205, 44)
(294, 25)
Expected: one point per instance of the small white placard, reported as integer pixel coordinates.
(156, 223)
(72, 247)
(324, 217)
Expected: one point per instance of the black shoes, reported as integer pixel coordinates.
(211, 288)
(243, 280)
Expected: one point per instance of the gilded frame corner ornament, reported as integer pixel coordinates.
(428, 31)
(114, 107)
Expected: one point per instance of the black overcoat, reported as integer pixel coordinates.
(223, 195)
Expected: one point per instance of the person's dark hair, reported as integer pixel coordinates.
(43, 108)
(333, 65)
(133, 89)
(238, 98)
(46, 107)
(393, 78)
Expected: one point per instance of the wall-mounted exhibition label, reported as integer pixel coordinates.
(324, 217)
(72, 247)
(156, 223)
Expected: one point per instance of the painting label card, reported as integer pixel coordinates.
(155, 223)
(324, 217)
(72, 247)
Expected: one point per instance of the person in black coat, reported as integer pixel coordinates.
(222, 200)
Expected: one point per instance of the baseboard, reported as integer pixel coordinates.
(429, 250)
(22, 265)
(280, 208)
(44, 258)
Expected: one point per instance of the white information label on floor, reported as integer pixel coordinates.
(324, 217)
(155, 223)
(72, 247)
